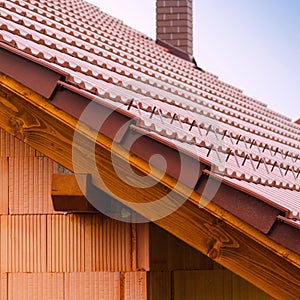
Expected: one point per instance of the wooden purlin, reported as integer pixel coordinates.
(232, 243)
(67, 196)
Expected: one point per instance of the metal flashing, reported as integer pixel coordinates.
(255, 212)
(286, 233)
(39, 78)
(165, 157)
(115, 125)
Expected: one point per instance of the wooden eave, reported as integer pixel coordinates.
(212, 230)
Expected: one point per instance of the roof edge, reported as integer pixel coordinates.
(212, 230)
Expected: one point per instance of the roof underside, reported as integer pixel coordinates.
(73, 54)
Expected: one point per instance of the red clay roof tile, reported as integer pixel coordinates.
(173, 100)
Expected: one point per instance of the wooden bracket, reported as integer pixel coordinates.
(68, 196)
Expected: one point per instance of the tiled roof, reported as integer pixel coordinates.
(255, 149)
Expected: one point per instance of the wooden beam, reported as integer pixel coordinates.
(70, 193)
(211, 230)
(67, 196)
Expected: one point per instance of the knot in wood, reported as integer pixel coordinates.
(214, 249)
(213, 253)
(17, 127)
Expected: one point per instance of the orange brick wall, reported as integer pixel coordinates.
(49, 255)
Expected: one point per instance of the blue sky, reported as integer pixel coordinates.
(253, 45)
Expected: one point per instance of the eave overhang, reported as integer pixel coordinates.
(220, 233)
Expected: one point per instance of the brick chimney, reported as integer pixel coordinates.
(174, 24)
(297, 121)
